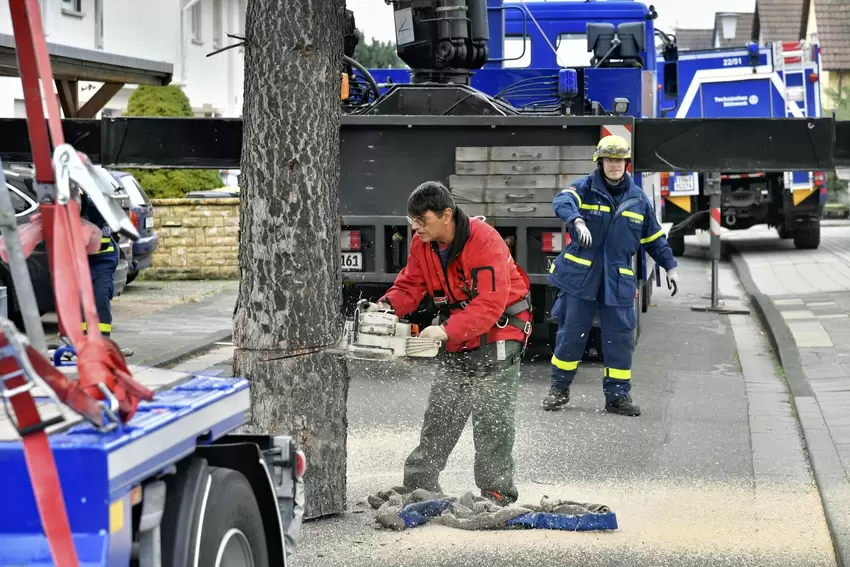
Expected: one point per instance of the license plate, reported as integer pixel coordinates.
(684, 183)
(149, 222)
(352, 261)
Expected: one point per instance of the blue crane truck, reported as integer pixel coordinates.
(513, 185)
(775, 81)
(173, 486)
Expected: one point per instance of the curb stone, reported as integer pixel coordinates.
(822, 454)
(778, 332)
(185, 351)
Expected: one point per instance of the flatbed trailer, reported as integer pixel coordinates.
(173, 486)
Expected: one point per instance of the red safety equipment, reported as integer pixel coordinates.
(483, 295)
(103, 372)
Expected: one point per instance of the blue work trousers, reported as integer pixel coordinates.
(102, 267)
(575, 319)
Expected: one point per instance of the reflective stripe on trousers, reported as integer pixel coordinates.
(575, 319)
(104, 327)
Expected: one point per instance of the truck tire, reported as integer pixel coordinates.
(232, 532)
(807, 237)
(784, 233)
(677, 245)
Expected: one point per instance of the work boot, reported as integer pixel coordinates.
(557, 397)
(623, 406)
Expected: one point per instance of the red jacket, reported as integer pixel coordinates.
(480, 270)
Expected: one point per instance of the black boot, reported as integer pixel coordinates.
(557, 397)
(623, 406)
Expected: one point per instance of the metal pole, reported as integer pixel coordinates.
(19, 270)
(713, 187)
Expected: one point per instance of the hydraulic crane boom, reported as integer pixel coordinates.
(442, 41)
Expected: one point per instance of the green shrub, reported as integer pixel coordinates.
(169, 100)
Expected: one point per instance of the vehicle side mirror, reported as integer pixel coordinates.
(671, 79)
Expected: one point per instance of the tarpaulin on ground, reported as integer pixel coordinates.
(399, 509)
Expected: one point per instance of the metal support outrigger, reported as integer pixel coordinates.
(712, 183)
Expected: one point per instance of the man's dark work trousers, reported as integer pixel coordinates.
(476, 383)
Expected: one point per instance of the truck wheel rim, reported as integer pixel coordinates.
(234, 550)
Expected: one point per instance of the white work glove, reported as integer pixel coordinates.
(583, 233)
(380, 306)
(434, 332)
(673, 281)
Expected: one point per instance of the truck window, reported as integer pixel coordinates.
(572, 50)
(513, 49)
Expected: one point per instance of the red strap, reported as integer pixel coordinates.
(37, 451)
(46, 485)
(32, 91)
(99, 361)
(29, 38)
(45, 72)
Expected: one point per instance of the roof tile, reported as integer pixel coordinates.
(833, 24)
(781, 20)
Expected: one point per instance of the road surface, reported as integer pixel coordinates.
(712, 473)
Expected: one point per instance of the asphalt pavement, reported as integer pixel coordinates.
(712, 473)
(164, 322)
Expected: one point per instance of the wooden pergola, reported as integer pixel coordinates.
(74, 64)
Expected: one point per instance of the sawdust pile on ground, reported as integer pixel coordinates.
(706, 518)
(768, 525)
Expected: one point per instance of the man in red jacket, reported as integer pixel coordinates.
(484, 319)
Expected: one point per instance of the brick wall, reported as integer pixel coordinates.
(198, 239)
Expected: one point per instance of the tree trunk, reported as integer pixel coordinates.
(288, 310)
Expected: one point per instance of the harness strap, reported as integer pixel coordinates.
(509, 317)
(523, 304)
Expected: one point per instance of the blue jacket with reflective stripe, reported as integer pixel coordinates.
(617, 231)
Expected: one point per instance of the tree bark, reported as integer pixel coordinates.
(288, 309)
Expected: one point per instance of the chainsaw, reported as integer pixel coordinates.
(380, 335)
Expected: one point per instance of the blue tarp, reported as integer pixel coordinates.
(397, 511)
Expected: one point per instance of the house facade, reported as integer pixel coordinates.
(827, 21)
(731, 29)
(168, 38)
(830, 22)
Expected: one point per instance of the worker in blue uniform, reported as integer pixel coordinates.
(609, 218)
(102, 265)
